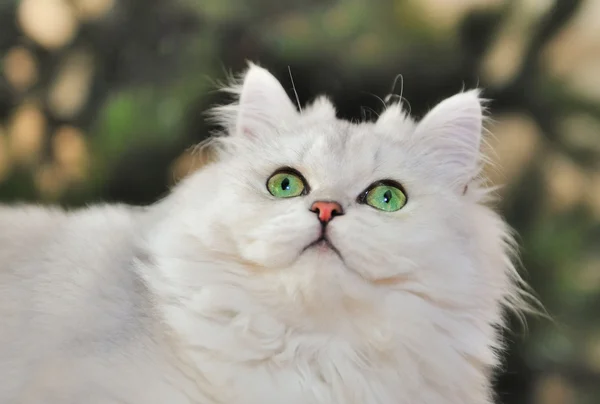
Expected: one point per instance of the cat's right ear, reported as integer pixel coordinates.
(263, 103)
(449, 136)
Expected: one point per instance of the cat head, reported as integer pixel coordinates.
(319, 218)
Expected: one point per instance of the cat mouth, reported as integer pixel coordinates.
(323, 243)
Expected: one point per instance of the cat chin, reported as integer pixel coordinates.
(322, 247)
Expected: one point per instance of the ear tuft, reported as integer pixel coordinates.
(451, 135)
(320, 109)
(392, 118)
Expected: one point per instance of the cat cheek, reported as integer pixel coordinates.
(265, 254)
(274, 246)
(370, 253)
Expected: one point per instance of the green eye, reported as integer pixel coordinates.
(286, 185)
(388, 198)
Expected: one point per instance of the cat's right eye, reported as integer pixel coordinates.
(386, 195)
(287, 183)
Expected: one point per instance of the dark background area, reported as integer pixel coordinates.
(101, 100)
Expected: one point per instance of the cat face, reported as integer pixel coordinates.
(368, 175)
(311, 210)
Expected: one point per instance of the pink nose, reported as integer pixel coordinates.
(326, 210)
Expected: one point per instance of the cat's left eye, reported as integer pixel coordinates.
(286, 184)
(386, 196)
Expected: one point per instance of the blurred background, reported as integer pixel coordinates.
(100, 100)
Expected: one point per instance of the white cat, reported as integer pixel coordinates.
(314, 261)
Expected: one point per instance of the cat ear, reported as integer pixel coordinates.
(263, 102)
(450, 134)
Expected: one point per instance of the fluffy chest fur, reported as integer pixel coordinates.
(248, 357)
(305, 344)
(307, 368)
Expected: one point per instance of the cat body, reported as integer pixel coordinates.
(314, 261)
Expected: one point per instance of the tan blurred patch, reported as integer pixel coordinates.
(576, 44)
(193, 160)
(592, 346)
(294, 25)
(585, 79)
(70, 152)
(89, 10)
(20, 68)
(4, 156)
(581, 131)
(447, 14)
(338, 21)
(574, 54)
(50, 181)
(26, 133)
(592, 195)
(516, 139)
(71, 87)
(367, 48)
(505, 57)
(565, 181)
(50, 23)
(588, 280)
(553, 389)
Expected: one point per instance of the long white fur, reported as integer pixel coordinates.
(208, 297)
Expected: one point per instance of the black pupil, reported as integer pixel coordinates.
(387, 196)
(285, 184)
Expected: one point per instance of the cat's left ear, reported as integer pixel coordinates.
(450, 137)
(263, 103)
